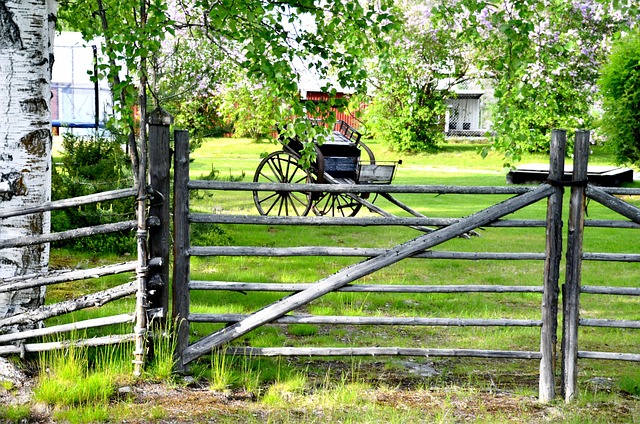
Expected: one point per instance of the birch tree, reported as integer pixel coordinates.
(26, 39)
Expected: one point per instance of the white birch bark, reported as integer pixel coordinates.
(26, 40)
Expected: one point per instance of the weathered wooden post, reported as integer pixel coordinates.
(159, 211)
(571, 292)
(553, 250)
(181, 263)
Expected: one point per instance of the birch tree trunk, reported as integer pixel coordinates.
(26, 46)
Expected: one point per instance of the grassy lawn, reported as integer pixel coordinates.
(456, 164)
(380, 389)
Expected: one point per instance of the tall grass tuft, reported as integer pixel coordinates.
(222, 375)
(163, 342)
(69, 380)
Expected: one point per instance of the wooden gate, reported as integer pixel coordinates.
(377, 259)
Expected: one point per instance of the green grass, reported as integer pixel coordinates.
(301, 390)
(458, 164)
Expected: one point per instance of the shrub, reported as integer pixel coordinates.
(620, 87)
(91, 165)
(407, 119)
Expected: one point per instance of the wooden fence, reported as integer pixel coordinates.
(237, 326)
(149, 270)
(17, 342)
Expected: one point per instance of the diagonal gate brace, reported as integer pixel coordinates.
(361, 269)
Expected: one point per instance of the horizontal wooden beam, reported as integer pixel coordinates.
(611, 323)
(348, 221)
(372, 320)
(624, 291)
(368, 288)
(65, 328)
(380, 351)
(611, 257)
(67, 203)
(356, 188)
(96, 299)
(633, 357)
(354, 252)
(35, 280)
(68, 235)
(44, 347)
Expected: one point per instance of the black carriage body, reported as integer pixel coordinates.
(338, 155)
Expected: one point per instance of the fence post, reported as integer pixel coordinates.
(159, 212)
(181, 265)
(571, 292)
(553, 250)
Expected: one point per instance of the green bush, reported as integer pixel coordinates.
(91, 165)
(406, 120)
(620, 87)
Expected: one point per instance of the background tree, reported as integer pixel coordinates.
(270, 41)
(250, 109)
(543, 57)
(26, 39)
(413, 77)
(620, 89)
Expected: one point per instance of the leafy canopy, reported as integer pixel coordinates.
(543, 57)
(193, 45)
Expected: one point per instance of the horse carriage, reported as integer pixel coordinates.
(342, 158)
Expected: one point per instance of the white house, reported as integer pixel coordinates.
(467, 114)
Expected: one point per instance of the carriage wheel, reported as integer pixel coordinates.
(336, 204)
(281, 167)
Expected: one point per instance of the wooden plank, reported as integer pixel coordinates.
(623, 291)
(553, 254)
(610, 224)
(68, 235)
(626, 191)
(44, 347)
(181, 265)
(362, 288)
(352, 273)
(611, 257)
(35, 280)
(571, 294)
(380, 351)
(610, 323)
(88, 301)
(356, 188)
(68, 203)
(366, 320)
(354, 252)
(611, 356)
(216, 218)
(64, 328)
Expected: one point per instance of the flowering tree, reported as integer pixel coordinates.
(543, 56)
(272, 42)
(413, 76)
